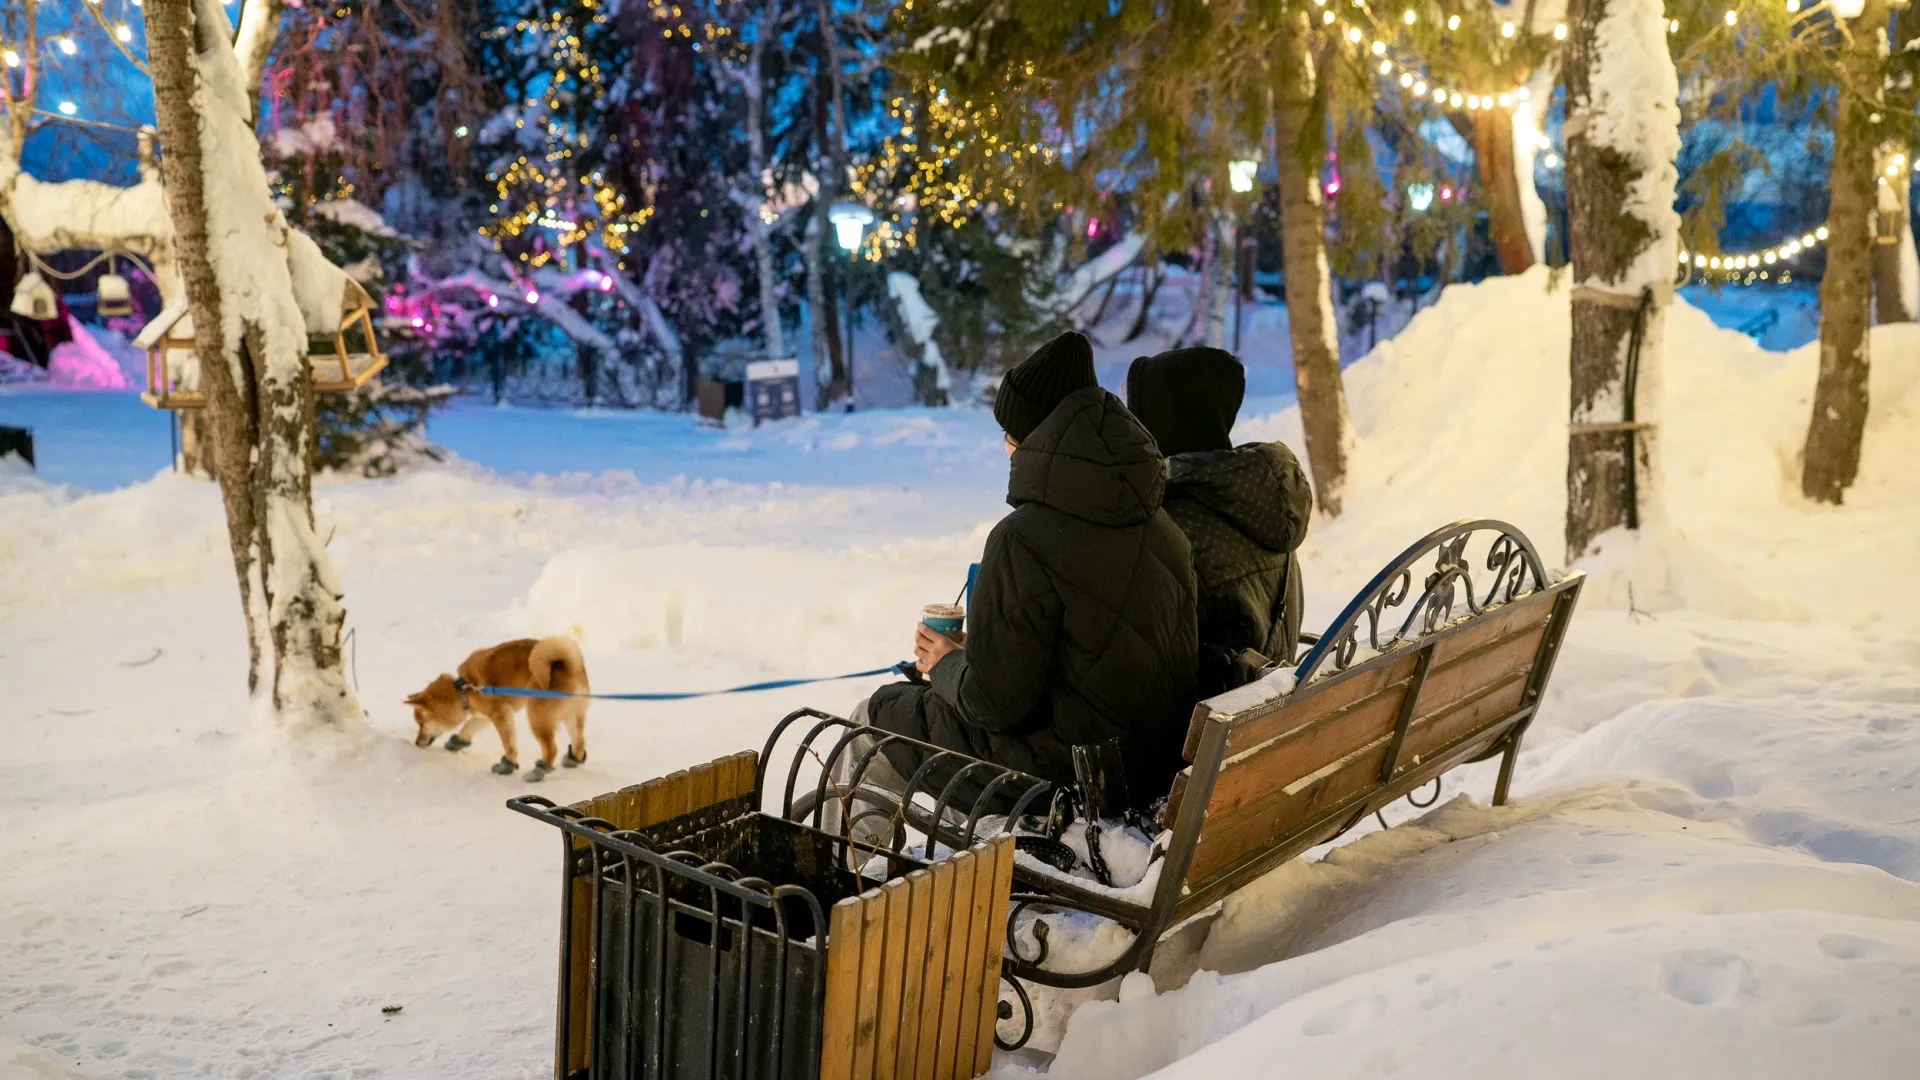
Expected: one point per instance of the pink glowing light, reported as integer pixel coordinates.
(419, 322)
(492, 300)
(533, 296)
(606, 283)
(1093, 228)
(1446, 193)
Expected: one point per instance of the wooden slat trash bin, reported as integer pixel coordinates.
(702, 939)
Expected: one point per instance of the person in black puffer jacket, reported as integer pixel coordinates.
(1082, 623)
(1244, 509)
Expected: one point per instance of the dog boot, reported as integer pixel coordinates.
(506, 767)
(539, 771)
(455, 742)
(572, 762)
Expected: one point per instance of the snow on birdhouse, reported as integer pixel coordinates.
(112, 296)
(33, 298)
(173, 368)
(336, 311)
(339, 315)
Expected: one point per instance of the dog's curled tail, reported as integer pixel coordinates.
(555, 664)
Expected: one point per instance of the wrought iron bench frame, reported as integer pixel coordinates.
(1433, 615)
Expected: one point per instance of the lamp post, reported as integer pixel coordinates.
(850, 220)
(1240, 177)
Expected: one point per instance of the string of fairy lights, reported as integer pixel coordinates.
(546, 192)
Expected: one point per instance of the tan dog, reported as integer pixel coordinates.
(455, 701)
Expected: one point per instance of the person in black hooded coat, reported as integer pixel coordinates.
(1244, 509)
(1082, 621)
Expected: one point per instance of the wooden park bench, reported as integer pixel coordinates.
(1432, 665)
(1442, 659)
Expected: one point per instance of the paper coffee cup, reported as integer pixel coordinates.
(945, 619)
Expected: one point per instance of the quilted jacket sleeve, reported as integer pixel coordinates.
(996, 682)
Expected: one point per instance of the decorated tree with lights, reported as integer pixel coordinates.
(1853, 62)
(1475, 66)
(1059, 104)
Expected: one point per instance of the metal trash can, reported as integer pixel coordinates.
(701, 939)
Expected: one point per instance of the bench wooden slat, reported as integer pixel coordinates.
(1329, 748)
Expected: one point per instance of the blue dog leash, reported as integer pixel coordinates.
(776, 684)
(904, 667)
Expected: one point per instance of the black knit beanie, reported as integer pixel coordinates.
(1187, 399)
(1038, 384)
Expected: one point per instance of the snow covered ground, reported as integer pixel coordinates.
(1713, 868)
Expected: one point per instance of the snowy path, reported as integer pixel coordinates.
(1711, 871)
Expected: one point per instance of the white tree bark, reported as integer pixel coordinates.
(752, 84)
(234, 249)
(1220, 283)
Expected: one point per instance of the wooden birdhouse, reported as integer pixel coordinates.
(112, 296)
(33, 298)
(342, 348)
(1888, 222)
(173, 368)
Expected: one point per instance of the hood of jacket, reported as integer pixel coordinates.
(1092, 459)
(1259, 488)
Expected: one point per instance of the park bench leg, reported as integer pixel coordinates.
(1536, 685)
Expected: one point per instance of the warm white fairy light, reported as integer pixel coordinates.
(123, 32)
(66, 45)
(1559, 31)
(68, 108)
(12, 58)
(1755, 260)
(1410, 77)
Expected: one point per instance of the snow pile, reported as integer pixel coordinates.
(96, 360)
(1632, 925)
(1464, 415)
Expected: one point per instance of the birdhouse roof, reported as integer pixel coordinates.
(163, 324)
(324, 291)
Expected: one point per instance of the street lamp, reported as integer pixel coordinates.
(849, 221)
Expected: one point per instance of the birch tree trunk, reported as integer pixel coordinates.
(1622, 137)
(1220, 281)
(1893, 264)
(251, 335)
(754, 86)
(821, 301)
(1831, 459)
(1300, 142)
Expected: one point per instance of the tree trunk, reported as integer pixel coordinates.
(1219, 280)
(1624, 232)
(1832, 455)
(232, 245)
(771, 331)
(1893, 262)
(1493, 155)
(1896, 270)
(824, 314)
(1300, 143)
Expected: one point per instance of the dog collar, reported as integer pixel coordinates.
(461, 685)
